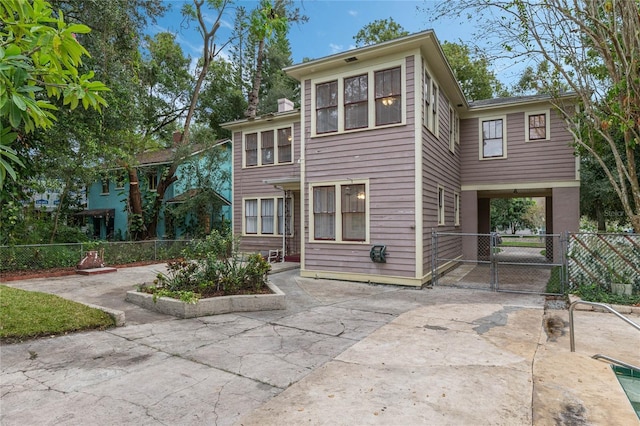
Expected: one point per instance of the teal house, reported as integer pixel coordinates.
(204, 174)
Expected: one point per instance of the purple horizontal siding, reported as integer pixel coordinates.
(386, 158)
(535, 161)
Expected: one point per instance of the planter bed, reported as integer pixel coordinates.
(210, 306)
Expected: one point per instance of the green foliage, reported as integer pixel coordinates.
(28, 314)
(601, 294)
(511, 213)
(40, 60)
(379, 31)
(472, 70)
(213, 266)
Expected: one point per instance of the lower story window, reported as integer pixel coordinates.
(251, 216)
(350, 201)
(262, 218)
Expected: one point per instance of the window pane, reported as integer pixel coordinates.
(355, 89)
(284, 145)
(251, 149)
(324, 212)
(388, 99)
(267, 216)
(537, 127)
(492, 138)
(251, 216)
(353, 213)
(267, 147)
(327, 120)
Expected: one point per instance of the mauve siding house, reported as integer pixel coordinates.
(384, 150)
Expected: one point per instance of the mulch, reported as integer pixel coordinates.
(55, 272)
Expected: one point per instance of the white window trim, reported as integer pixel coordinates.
(547, 121)
(259, 132)
(456, 208)
(338, 211)
(504, 137)
(454, 129)
(371, 101)
(259, 217)
(441, 207)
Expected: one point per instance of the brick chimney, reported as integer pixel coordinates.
(177, 135)
(285, 105)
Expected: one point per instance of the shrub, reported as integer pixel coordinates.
(213, 266)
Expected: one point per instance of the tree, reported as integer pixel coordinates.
(593, 48)
(378, 31)
(472, 72)
(511, 213)
(40, 60)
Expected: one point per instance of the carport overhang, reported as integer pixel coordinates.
(284, 183)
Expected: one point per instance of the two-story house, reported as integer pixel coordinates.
(107, 198)
(383, 150)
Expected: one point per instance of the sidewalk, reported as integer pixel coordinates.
(341, 353)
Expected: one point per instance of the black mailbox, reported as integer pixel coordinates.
(378, 254)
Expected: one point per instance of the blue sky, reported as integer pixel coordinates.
(331, 27)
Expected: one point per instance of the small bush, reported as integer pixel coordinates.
(213, 267)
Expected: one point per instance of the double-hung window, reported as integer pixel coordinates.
(324, 213)
(493, 138)
(266, 139)
(251, 149)
(340, 212)
(353, 213)
(388, 92)
(284, 145)
(105, 186)
(537, 125)
(251, 216)
(356, 111)
(441, 219)
(266, 216)
(152, 181)
(327, 107)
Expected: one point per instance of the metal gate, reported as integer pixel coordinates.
(513, 263)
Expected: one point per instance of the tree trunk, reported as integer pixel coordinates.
(135, 203)
(602, 224)
(254, 95)
(54, 231)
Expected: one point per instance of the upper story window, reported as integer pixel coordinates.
(493, 138)
(454, 129)
(327, 107)
(105, 186)
(537, 126)
(356, 108)
(121, 180)
(251, 149)
(152, 181)
(388, 96)
(284, 145)
(358, 101)
(268, 147)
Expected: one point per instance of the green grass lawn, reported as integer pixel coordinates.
(525, 243)
(29, 314)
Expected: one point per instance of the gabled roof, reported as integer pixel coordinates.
(166, 156)
(190, 193)
(426, 41)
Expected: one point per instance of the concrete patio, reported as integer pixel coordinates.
(341, 353)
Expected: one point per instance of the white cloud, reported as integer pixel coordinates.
(353, 13)
(335, 48)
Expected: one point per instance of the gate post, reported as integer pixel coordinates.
(493, 271)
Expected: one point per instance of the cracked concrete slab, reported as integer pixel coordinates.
(341, 353)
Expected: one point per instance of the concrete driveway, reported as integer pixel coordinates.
(340, 354)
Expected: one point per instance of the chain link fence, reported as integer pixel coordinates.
(49, 256)
(611, 261)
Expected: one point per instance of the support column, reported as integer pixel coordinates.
(565, 212)
(469, 224)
